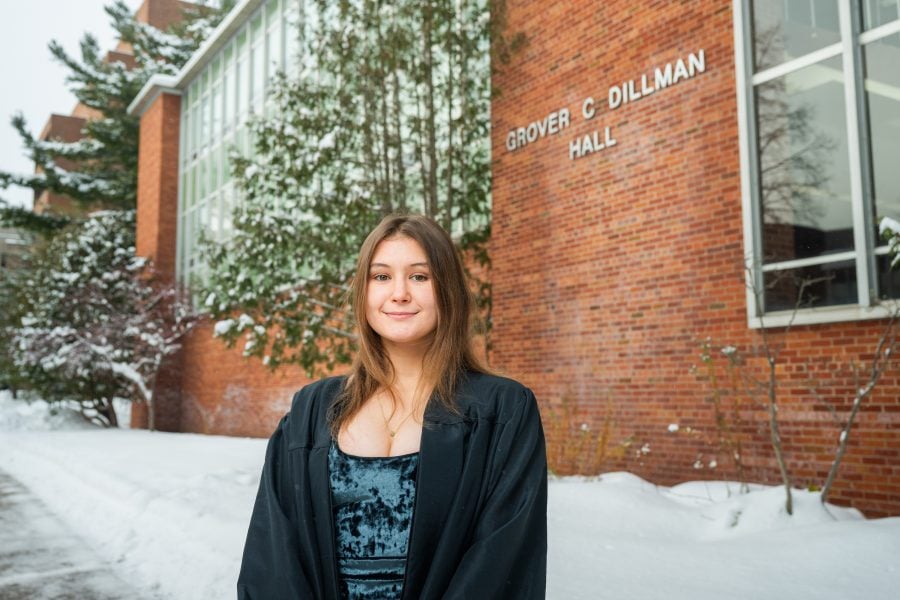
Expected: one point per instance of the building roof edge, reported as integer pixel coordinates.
(156, 85)
(176, 83)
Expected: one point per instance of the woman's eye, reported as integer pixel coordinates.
(380, 277)
(419, 277)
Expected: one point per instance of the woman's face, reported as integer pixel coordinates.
(400, 300)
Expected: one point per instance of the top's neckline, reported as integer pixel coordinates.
(357, 457)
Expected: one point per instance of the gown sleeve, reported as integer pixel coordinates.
(271, 567)
(508, 554)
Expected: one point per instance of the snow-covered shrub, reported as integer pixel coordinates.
(98, 323)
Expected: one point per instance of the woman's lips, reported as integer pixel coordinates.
(400, 315)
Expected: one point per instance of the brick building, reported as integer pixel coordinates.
(664, 174)
(68, 128)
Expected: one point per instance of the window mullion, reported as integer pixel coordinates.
(852, 99)
(743, 53)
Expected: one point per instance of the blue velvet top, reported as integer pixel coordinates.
(372, 504)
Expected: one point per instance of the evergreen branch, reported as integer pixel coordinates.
(21, 218)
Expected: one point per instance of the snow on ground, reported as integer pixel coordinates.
(171, 510)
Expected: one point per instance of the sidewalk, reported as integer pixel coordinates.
(41, 559)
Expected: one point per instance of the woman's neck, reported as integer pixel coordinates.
(407, 365)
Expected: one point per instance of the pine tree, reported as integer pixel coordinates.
(90, 321)
(390, 112)
(106, 158)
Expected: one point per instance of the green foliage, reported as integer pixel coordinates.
(390, 113)
(890, 233)
(21, 218)
(10, 315)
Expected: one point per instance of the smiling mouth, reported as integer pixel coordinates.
(396, 315)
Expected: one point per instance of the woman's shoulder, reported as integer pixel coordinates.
(485, 395)
(319, 392)
(305, 425)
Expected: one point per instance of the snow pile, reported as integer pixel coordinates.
(37, 415)
(171, 510)
(34, 414)
(622, 537)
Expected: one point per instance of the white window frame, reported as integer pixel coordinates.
(869, 306)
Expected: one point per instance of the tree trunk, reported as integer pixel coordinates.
(385, 128)
(151, 415)
(776, 438)
(431, 141)
(399, 169)
(448, 208)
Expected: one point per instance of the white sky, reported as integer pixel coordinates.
(32, 81)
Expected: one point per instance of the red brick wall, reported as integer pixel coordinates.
(224, 393)
(157, 203)
(610, 270)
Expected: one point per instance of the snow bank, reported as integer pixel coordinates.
(171, 511)
(619, 536)
(37, 415)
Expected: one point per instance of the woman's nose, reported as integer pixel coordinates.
(401, 290)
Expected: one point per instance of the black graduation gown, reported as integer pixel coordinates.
(479, 527)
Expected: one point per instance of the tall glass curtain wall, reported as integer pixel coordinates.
(215, 109)
(827, 161)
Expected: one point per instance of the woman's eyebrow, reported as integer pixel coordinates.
(418, 264)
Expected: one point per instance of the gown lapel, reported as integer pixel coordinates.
(440, 466)
(320, 492)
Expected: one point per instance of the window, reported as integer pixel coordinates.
(216, 105)
(819, 103)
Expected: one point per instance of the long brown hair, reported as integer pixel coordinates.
(450, 352)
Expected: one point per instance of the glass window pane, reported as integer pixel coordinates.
(195, 131)
(216, 112)
(880, 12)
(202, 179)
(241, 43)
(888, 279)
(204, 121)
(787, 29)
(273, 50)
(226, 163)
(256, 27)
(185, 133)
(227, 100)
(240, 86)
(804, 179)
(882, 85)
(830, 284)
(214, 169)
(258, 74)
(192, 190)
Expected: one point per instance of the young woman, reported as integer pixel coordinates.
(417, 475)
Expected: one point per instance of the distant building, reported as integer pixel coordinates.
(644, 154)
(14, 248)
(68, 128)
